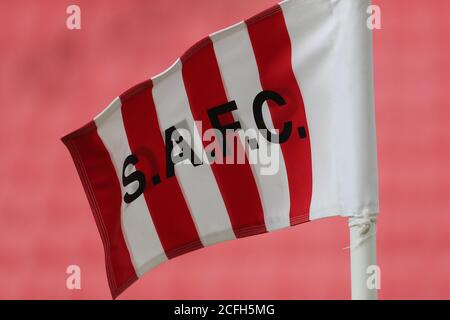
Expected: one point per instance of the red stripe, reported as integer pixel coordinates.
(165, 200)
(205, 90)
(103, 191)
(272, 48)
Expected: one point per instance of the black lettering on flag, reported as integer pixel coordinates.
(173, 135)
(214, 114)
(258, 102)
(133, 177)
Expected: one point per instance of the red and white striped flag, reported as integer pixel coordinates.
(160, 185)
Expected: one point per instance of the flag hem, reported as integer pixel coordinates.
(85, 181)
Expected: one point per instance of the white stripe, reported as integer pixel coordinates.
(332, 61)
(198, 184)
(138, 229)
(240, 76)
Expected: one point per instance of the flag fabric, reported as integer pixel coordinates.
(159, 177)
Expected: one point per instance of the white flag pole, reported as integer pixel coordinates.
(363, 261)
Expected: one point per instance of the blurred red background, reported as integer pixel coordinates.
(53, 80)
